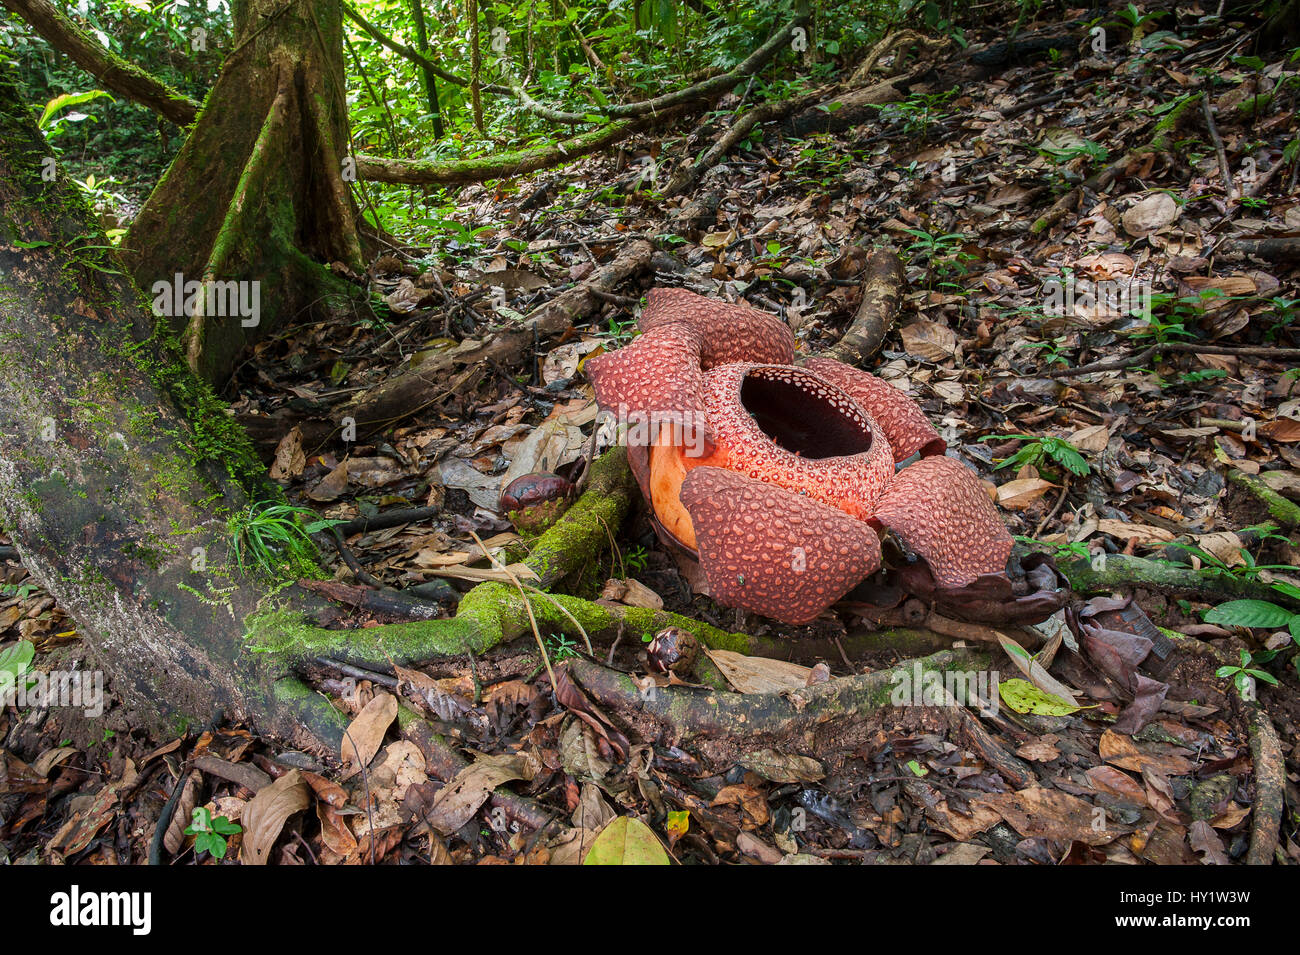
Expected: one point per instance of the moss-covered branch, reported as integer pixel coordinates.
(1121, 571)
(1286, 514)
(113, 72)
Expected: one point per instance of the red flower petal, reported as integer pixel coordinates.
(940, 510)
(773, 551)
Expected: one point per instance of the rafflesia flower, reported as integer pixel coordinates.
(781, 478)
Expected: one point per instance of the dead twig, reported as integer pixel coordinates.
(1225, 173)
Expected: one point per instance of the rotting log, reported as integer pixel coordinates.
(1120, 571)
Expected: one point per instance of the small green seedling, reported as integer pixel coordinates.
(1037, 450)
(1258, 613)
(1243, 676)
(210, 832)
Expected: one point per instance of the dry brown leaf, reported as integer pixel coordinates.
(1038, 751)
(366, 733)
(332, 486)
(1120, 750)
(1149, 215)
(460, 799)
(1018, 494)
(289, 457)
(631, 592)
(266, 813)
(1051, 814)
(1285, 430)
(52, 757)
(1139, 533)
(778, 767)
(1092, 439)
(759, 674)
(1108, 779)
(929, 340)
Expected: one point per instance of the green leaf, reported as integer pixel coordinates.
(1249, 613)
(16, 659)
(627, 841)
(1023, 697)
(1065, 454)
(65, 100)
(1287, 590)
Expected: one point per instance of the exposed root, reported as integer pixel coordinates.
(1266, 758)
(1286, 513)
(882, 296)
(720, 727)
(1120, 572)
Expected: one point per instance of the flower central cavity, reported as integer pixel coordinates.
(802, 415)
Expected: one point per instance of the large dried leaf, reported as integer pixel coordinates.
(759, 674)
(929, 340)
(366, 733)
(266, 813)
(470, 788)
(1151, 214)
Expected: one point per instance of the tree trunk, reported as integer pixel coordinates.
(120, 472)
(258, 192)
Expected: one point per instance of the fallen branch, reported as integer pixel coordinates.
(1271, 250)
(882, 297)
(632, 117)
(895, 41)
(1120, 571)
(715, 85)
(851, 108)
(409, 392)
(1141, 358)
(502, 165)
(689, 174)
(1225, 171)
(1270, 787)
(112, 71)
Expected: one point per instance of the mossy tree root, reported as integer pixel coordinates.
(1120, 572)
(719, 727)
(1285, 513)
